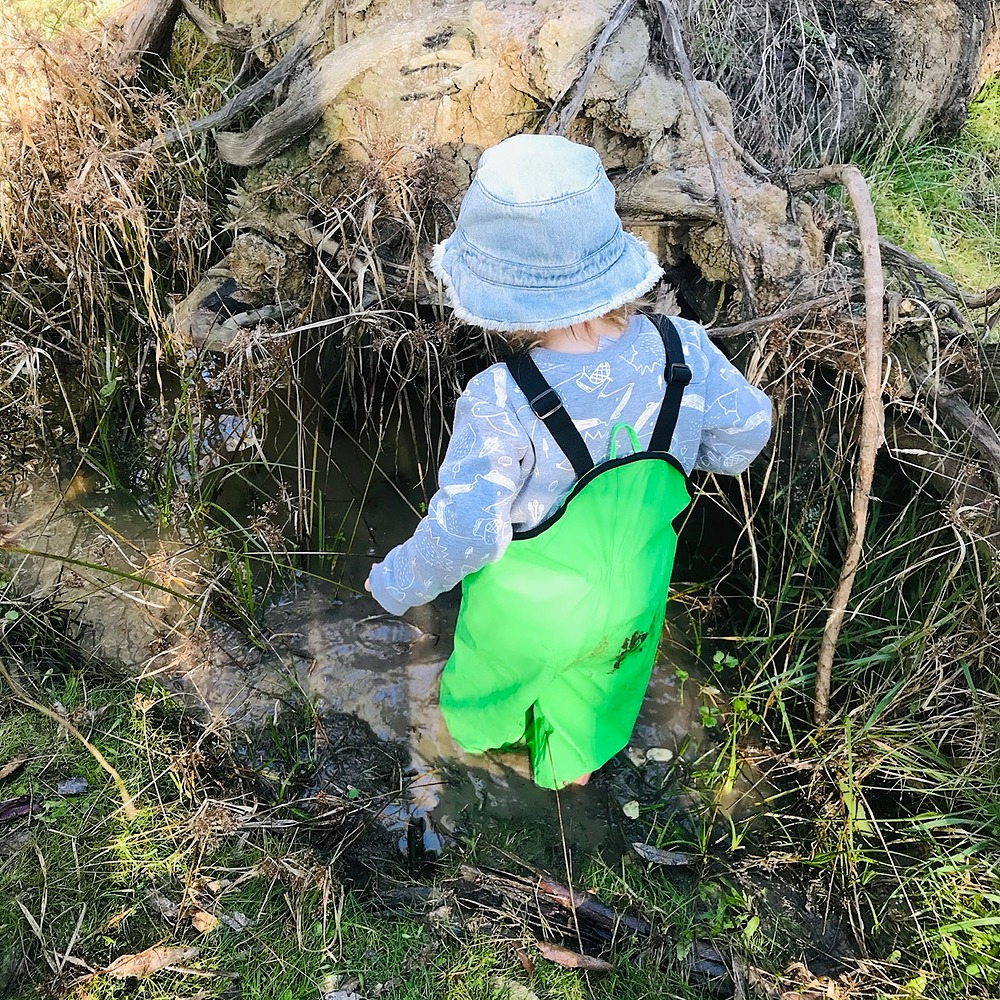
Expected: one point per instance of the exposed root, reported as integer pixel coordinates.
(872, 414)
(284, 68)
(574, 94)
(971, 300)
(671, 22)
(791, 312)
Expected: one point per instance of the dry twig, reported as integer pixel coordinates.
(872, 415)
(671, 23)
(576, 91)
(25, 699)
(790, 312)
(971, 300)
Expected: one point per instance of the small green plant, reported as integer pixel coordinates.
(723, 661)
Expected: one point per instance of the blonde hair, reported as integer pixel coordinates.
(618, 318)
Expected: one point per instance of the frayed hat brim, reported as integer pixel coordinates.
(603, 304)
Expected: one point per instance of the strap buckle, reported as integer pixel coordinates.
(681, 374)
(548, 413)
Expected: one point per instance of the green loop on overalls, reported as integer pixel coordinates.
(633, 440)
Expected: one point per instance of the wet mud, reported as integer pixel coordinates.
(324, 651)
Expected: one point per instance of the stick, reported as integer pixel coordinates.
(792, 312)
(872, 413)
(578, 88)
(971, 300)
(671, 23)
(25, 699)
(243, 101)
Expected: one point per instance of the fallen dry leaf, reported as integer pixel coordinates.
(73, 786)
(631, 809)
(145, 963)
(525, 959)
(12, 767)
(204, 921)
(571, 959)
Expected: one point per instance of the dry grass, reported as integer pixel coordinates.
(788, 73)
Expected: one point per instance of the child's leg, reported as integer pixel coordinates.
(585, 716)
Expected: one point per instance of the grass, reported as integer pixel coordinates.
(940, 199)
(220, 862)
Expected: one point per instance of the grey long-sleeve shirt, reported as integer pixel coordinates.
(503, 471)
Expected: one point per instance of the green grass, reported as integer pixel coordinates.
(52, 16)
(941, 199)
(81, 886)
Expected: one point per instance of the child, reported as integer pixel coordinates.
(564, 564)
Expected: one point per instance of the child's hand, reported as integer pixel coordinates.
(368, 584)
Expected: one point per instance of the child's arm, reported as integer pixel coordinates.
(468, 518)
(737, 421)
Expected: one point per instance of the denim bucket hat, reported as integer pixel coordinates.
(538, 244)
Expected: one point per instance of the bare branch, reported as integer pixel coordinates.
(671, 23)
(284, 68)
(872, 414)
(578, 88)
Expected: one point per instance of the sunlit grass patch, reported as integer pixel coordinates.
(941, 199)
(52, 16)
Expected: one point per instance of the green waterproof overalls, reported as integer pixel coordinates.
(555, 640)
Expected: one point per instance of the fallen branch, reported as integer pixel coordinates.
(284, 68)
(872, 415)
(971, 300)
(25, 699)
(576, 91)
(671, 23)
(276, 130)
(791, 312)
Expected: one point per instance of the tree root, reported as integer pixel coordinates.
(790, 312)
(25, 699)
(146, 27)
(217, 32)
(872, 414)
(971, 300)
(670, 21)
(576, 91)
(284, 68)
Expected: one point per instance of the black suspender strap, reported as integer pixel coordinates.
(548, 407)
(676, 375)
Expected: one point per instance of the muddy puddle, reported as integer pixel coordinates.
(140, 591)
(147, 594)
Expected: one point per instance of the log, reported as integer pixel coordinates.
(145, 27)
(669, 196)
(286, 67)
